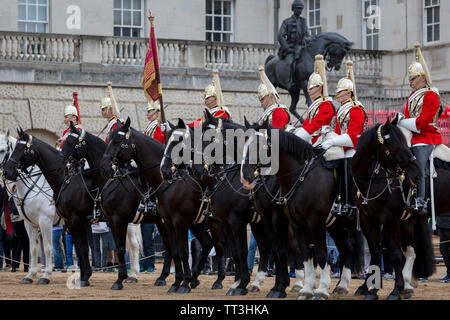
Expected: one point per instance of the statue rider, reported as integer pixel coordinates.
(293, 36)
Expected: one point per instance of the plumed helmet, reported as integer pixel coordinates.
(106, 102)
(347, 83)
(266, 87)
(70, 110)
(419, 66)
(154, 106)
(210, 91)
(318, 77)
(263, 91)
(297, 4)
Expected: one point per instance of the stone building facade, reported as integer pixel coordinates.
(50, 48)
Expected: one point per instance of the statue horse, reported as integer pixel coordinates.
(33, 198)
(331, 45)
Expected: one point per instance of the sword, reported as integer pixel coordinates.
(433, 213)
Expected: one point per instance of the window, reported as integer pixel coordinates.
(219, 20)
(432, 20)
(314, 17)
(33, 16)
(371, 24)
(128, 18)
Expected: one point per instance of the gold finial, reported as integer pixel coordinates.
(150, 17)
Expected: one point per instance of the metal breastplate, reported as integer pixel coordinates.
(415, 104)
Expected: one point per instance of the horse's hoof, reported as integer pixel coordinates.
(82, 283)
(340, 291)
(254, 289)
(276, 294)
(217, 286)
(160, 283)
(26, 281)
(361, 292)
(117, 286)
(305, 296)
(184, 289)
(195, 283)
(173, 288)
(43, 281)
(240, 292)
(320, 296)
(407, 293)
(393, 297)
(131, 280)
(296, 288)
(371, 297)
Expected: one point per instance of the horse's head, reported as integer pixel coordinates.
(335, 49)
(254, 163)
(178, 150)
(120, 150)
(23, 156)
(74, 148)
(392, 151)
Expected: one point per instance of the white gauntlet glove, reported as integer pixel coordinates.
(342, 140)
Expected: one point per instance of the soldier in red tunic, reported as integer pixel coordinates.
(277, 114)
(213, 101)
(70, 114)
(349, 124)
(321, 111)
(154, 128)
(421, 113)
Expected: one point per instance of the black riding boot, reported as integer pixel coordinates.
(343, 206)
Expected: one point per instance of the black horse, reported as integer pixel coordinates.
(72, 200)
(308, 189)
(233, 212)
(331, 45)
(384, 168)
(271, 232)
(178, 202)
(118, 198)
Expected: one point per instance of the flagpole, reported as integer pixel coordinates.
(162, 119)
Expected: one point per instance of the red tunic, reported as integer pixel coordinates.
(428, 133)
(110, 131)
(218, 114)
(356, 119)
(280, 118)
(323, 117)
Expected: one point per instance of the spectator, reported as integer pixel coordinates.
(147, 265)
(99, 254)
(69, 250)
(251, 253)
(386, 265)
(443, 223)
(109, 246)
(57, 250)
(333, 256)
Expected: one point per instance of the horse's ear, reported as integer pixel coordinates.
(181, 124)
(72, 126)
(395, 121)
(171, 125)
(127, 123)
(246, 123)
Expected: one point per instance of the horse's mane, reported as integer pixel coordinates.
(290, 143)
(367, 137)
(97, 140)
(156, 143)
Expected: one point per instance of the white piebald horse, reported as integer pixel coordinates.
(33, 198)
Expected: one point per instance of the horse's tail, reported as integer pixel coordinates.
(358, 251)
(424, 265)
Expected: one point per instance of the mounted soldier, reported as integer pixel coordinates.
(293, 36)
(321, 111)
(214, 101)
(276, 113)
(71, 113)
(154, 128)
(110, 111)
(348, 124)
(421, 113)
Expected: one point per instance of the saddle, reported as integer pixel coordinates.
(331, 158)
